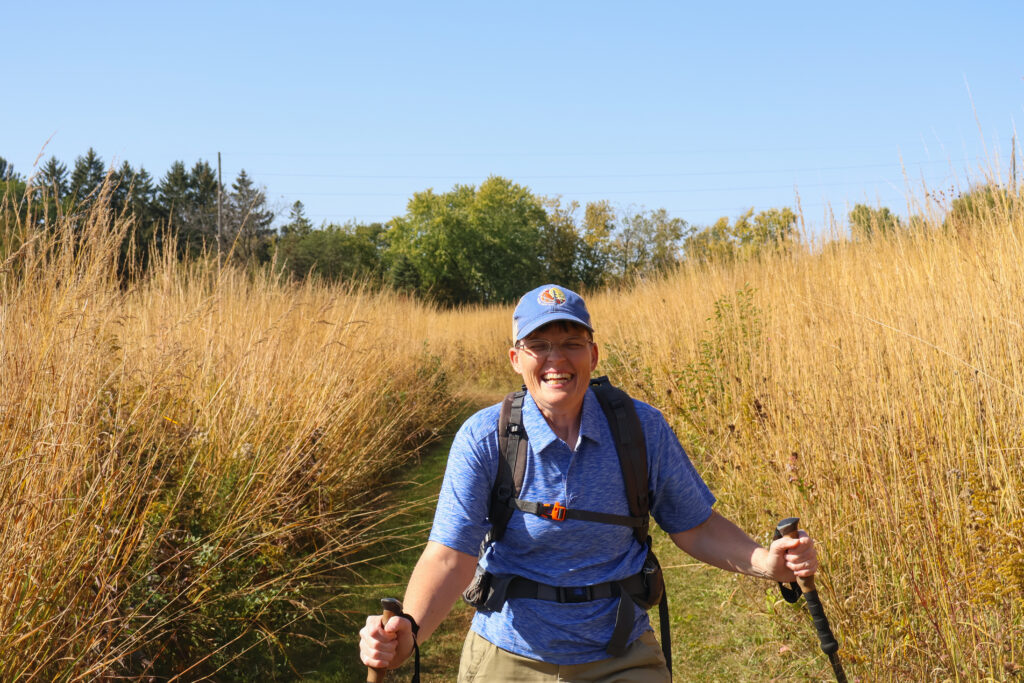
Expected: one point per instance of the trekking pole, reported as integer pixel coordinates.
(829, 645)
(390, 607)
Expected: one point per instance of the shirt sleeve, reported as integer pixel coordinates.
(681, 499)
(460, 521)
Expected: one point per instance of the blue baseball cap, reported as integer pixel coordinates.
(546, 304)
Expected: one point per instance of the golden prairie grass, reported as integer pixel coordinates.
(182, 457)
(876, 391)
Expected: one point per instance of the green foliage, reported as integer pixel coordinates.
(980, 204)
(713, 244)
(53, 176)
(54, 187)
(596, 251)
(770, 230)
(866, 222)
(7, 171)
(468, 245)
(217, 601)
(173, 209)
(13, 203)
(201, 197)
(247, 219)
(648, 242)
(297, 223)
(561, 244)
(335, 252)
(471, 245)
(86, 177)
(713, 383)
(748, 237)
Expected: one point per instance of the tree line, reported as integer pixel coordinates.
(181, 206)
(470, 244)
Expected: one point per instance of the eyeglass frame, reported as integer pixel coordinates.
(522, 345)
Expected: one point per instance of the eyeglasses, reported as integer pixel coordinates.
(541, 348)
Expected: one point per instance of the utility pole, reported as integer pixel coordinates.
(220, 187)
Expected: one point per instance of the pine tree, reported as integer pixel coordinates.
(174, 206)
(142, 195)
(87, 176)
(297, 223)
(7, 173)
(172, 193)
(120, 181)
(53, 189)
(249, 220)
(202, 193)
(142, 207)
(53, 178)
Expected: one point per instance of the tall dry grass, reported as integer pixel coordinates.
(183, 457)
(874, 389)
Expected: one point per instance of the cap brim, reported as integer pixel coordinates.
(529, 327)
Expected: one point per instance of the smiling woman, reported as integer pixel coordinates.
(561, 568)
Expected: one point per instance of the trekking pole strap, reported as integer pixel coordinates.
(666, 631)
(415, 647)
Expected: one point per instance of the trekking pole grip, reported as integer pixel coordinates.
(389, 608)
(790, 528)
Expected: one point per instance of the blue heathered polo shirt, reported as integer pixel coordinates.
(571, 552)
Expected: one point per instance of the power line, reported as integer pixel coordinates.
(749, 188)
(359, 176)
(383, 218)
(547, 153)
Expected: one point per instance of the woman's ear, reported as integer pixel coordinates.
(513, 358)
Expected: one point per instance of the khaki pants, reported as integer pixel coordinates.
(483, 662)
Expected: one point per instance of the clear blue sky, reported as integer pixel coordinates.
(704, 109)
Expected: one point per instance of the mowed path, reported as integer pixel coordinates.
(715, 637)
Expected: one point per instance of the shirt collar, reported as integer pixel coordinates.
(539, 431)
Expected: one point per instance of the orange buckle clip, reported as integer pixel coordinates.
(557, 512)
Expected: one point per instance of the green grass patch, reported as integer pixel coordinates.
(409, 507)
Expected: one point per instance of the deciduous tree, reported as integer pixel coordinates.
(471, 244)
(867, 222)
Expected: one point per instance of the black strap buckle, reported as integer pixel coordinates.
(575, 594)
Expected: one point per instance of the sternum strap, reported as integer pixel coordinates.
(558, 513)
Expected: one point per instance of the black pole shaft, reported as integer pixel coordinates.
(829, 644)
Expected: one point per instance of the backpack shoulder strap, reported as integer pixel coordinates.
(628, 433)
(512, 442)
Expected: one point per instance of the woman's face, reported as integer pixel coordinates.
(556, 379)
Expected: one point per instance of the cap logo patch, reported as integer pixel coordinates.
(551, 297)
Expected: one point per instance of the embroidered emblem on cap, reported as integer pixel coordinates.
(551, 296)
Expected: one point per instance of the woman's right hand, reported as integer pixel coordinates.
(385, 646)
